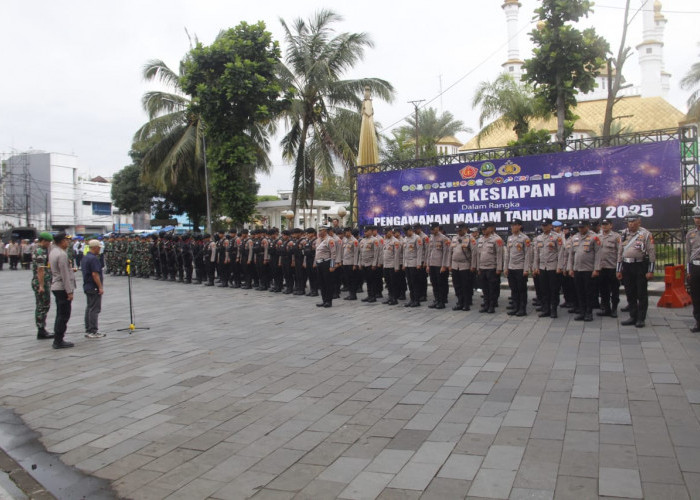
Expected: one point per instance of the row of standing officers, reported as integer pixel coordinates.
(589, 264)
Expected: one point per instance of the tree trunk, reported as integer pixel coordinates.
(300, 167)
(614, 86)
(561, 113)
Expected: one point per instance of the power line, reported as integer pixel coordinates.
(664, 11)
(459, 80)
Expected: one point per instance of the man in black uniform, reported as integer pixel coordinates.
(299, 269)
(309, 260)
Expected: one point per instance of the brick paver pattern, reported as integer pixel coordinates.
(235, 394)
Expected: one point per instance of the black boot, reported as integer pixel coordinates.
(628, 322)
(43, 334)
(553, 313)
(613, 311)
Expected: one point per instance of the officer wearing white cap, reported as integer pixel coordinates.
(692, 252)
(635, 267)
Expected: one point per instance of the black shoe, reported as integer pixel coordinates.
(423, 299)
(640, 323)
(574, 310)
(439, 305)
(613, 312)
(366, 299)
(246, 287)
(386, 302)
(604, 312)
(510, 306)
(579, 317)
(351, 297)
(222, 285)
(521, 313)
(491, 310)
(512, 312)
(466, 308)
(327, 304)
(483, 309)
(402, 297)
(458, 307)
(43, 334)
(553, 314)
(544, 314)
(410, 304)
(625, 309)
(314, 294)
(371, 301)
(298, 292)
(414, 304)
(393, 302)
(538, 309)
(336, 295)
(433, 305)
(588, 317)
(695, 329)
(628, 322)
(62, 344)
(321, 304)
(345, 289)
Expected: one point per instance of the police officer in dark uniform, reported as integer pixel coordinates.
(198, 259)
(299, 269)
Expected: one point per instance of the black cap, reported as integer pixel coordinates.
(516, 221)
(244, 231)
(311, 230)
(347, 228)
(546, 222)
(59, 237)
(296, 230)
(462, 225)
(595, 222)
(408, 227)
(286, 232)
(355, 232)
(433, 225)
(488, 224)
(417, 226)
(606, 221)
(583, 223)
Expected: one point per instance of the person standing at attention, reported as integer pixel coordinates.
(93, 288)
(62, 287)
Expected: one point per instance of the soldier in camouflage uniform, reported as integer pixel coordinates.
(41, 284)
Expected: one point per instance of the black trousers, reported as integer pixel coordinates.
(439, 282)
(352, 278)
(635, 281)
(422, 282)
(550, 283)
(368, 274)
(378, 283)
(412, 280)
(390, 281)
(517, 282)
(211, 270)
(300, 274)
(609, 289)
(325, 281)
(585, 291)
(464, 288)
(568, 288)
(491, 286)
(695, 291)
(312, 275)
(63, 310)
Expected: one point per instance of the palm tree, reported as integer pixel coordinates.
(691, 81)
(323, 104)
(173, 135)
(431, 128)
(513, 102)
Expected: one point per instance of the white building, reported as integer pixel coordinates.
(44, 190)
(272, 213)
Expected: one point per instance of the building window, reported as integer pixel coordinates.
(648, 51)
(101, 208)
(511, 68)
(87, 203)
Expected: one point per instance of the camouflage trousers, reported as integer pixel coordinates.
(43, 303)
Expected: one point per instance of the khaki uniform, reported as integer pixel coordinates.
(518, 253)
(635, 258)
(549, 254)
(489, 263)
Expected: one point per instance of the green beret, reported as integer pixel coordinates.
(46, 236)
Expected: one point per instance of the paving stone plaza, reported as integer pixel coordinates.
(236, 394)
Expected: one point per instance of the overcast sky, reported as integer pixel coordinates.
(71, 79)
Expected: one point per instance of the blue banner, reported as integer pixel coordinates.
(604, 183)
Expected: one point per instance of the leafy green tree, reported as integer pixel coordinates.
(170, 145)
(691, 81)
(513, 102)
(334, 188)
(534, 142)
(129, 193)
(398, 147)
(565, 60)
(431, 128)
(237, 93)
(323, 105)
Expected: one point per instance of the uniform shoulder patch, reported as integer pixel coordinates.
(376, 243)
(420, 241)
(447, 242)
(499, 242)
(355, 242)
(527, 243)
